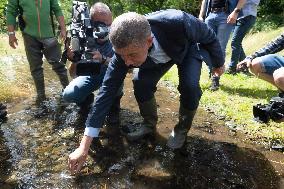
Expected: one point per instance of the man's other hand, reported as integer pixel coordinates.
(97, 56)
(232, 18)
(13, 41)
(243, 65)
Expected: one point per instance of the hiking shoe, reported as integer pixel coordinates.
(215, 83)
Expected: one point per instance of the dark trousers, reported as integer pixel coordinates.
(49, 47)
(147, 76)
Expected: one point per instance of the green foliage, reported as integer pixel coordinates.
(2, 16)
(270, 15)
(66, 6)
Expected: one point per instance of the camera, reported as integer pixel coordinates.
(81, 30)
(273, 110)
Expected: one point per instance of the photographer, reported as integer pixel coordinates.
(81, 88)
(266, 65)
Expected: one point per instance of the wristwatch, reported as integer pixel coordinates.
(11, 33)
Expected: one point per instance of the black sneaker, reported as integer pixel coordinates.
(215, 83)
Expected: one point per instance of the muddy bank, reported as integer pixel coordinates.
(35, 144)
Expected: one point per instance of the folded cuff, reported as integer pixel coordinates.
(92, 132)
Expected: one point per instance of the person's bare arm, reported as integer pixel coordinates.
(202, 11)
(61, 22)
(13, 41)
(232, 18)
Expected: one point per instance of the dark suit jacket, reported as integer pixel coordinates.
(178, 33)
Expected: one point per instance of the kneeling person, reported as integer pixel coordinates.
(81, 88)
(266, 65)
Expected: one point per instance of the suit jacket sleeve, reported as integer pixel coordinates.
(199, 32)
(113, 79)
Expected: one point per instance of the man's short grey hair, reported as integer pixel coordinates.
(100, 8)
(129, 29)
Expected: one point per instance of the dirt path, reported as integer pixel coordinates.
(39, 141)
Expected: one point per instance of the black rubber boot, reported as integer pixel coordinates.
(178, 135)
(63, 79)
(40, 90)
(148, 111)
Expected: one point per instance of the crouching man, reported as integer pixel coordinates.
(153, 44)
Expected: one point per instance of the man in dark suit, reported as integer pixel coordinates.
(152, 44)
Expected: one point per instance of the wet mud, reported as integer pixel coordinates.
(35, 143)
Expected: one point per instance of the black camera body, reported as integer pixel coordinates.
(273, 110)
(80, 30)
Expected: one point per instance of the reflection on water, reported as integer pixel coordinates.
(35, 144)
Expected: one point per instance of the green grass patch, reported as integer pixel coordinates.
(240, 92)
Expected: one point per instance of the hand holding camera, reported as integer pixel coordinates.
(244, 65)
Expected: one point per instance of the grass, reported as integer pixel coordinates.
(240, 92)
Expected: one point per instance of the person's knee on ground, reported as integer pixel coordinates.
(278, 76)
(70, 95)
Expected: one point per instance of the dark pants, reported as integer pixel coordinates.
(146, 78)
(49, 47)
(241, 29)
